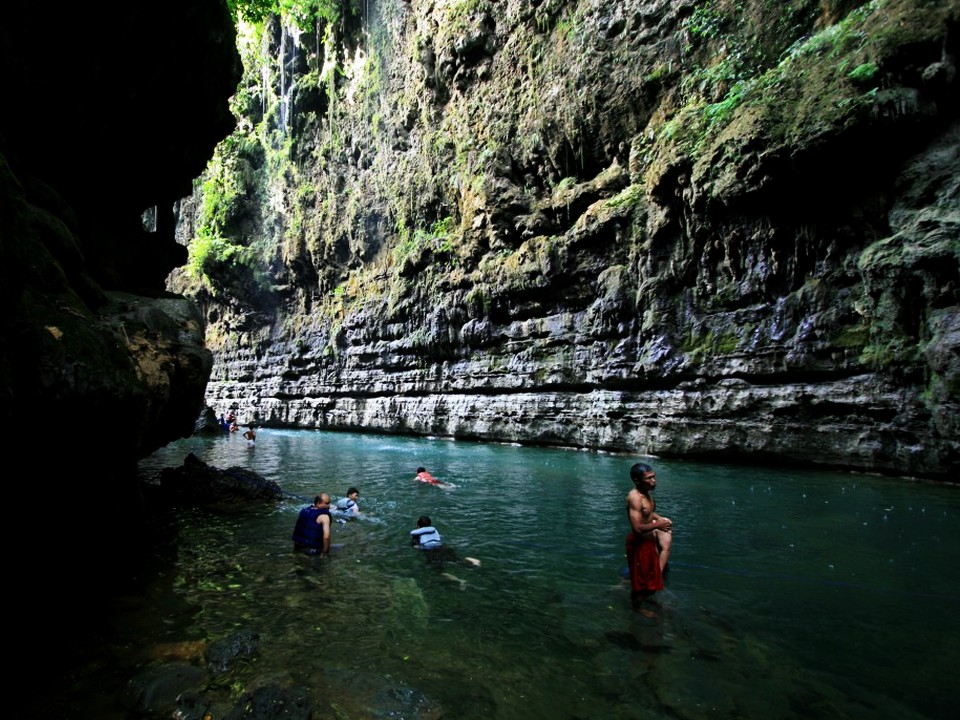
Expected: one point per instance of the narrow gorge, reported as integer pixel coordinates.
(714, 229)
(691, 229)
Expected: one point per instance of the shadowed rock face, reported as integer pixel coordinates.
(105, 118)
(108, 111)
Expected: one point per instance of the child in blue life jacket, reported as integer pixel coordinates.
(346, 507)
(425, 536)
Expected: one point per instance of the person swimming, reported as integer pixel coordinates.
(425, 536)
(425, 477)
(346, 507)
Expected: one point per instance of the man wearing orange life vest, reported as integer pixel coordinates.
(425, 477)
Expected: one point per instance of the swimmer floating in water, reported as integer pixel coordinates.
(427, 538)
(425, 477)
(346, 507)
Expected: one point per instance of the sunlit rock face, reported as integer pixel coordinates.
(721, 230)
(106, 118)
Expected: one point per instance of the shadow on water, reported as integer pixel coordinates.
(785, 594)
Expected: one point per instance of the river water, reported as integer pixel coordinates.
(791, 593)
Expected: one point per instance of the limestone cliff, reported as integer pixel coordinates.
(710, 229)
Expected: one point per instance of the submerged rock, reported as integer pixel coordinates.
(160, 686)
(224, 653)
(273, 702)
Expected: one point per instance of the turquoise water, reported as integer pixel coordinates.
(792, 594)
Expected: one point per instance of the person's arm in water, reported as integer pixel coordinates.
(417, 534)
(324, 522)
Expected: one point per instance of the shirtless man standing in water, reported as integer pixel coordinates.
(648, 543)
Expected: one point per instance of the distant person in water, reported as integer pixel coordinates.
(425, 477)
(251, 436)
(311, 535)
(347, 507)
(648, 542)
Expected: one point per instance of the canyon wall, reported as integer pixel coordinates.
(689, 229)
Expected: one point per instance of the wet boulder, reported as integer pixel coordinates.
(198, 484)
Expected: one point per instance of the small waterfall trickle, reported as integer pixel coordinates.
(284, 87)
(286, 60)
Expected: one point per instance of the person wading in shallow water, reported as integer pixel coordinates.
(648, 542)
(251, 436)
(311, 535)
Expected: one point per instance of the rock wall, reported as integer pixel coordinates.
(94, 346)
(106, 121)
(723, 230)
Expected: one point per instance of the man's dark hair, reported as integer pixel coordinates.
(421, 469)
(424, 521)
(639, 470)
(351, 491)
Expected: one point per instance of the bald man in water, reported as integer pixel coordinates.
(312, 532)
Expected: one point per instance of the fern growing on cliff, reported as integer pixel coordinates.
(209, 255)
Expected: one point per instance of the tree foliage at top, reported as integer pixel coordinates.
(303, 12)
